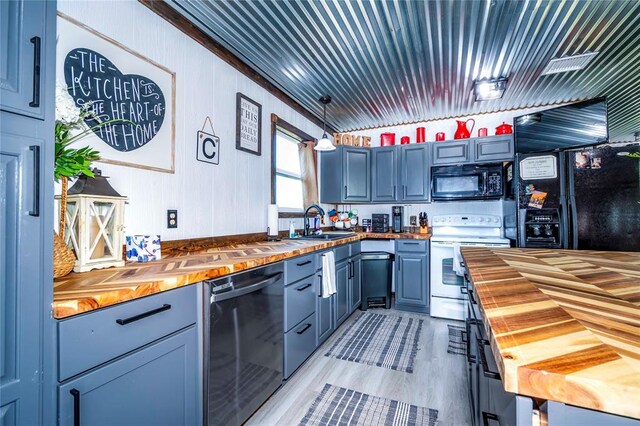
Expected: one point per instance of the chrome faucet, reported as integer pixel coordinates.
(306, 218)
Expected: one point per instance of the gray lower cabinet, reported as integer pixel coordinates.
(325, 315)
(493, 149)
(384, 174)
(27, 354)
(133, 363)
(345, 175)
(342, 307)
(299, 343)
(412, 275)
(355, 282)
(155, 385)
(414, 173)
(452, 152)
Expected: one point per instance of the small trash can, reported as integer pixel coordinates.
(377, 269)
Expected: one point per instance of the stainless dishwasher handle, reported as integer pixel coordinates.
(246, 290)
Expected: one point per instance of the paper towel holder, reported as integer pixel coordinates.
(272, 223)
(272, 237)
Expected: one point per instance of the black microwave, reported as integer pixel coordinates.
(467, 182)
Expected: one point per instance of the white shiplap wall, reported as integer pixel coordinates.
(230, 198)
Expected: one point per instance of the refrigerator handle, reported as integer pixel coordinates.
(573, 224)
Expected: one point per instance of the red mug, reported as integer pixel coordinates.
(420, 135)
(404, 140)
(482, 131)
(440, 136)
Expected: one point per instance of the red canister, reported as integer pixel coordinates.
(387, 139)
(421, 135)
(482, 131)
(404, 140)
(440, 136)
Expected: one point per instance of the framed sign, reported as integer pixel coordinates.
(119, 84)
(208, 150)
(248, 125)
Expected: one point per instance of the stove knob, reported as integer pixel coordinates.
(481, 219)
(496, 220)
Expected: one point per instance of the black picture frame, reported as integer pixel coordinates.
(243, 142)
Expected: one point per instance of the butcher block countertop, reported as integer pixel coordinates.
(564, 324)
(83, 292)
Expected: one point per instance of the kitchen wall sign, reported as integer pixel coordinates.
(248, 125)
(351, 140)
(122, 84)
(543, 167)
(208, 144)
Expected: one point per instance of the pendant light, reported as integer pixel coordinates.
(324, 144)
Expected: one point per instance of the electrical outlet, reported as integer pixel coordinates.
(172, 219)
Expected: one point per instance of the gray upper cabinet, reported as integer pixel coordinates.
(156, 385)
(453, 152)
(22, 31)
(345, 175)
(414, 173)
(493, 148)
(384, 174)
(357, 172)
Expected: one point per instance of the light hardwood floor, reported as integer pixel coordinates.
(439, 380)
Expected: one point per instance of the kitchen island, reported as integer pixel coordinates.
(83, 292)
(563, 325)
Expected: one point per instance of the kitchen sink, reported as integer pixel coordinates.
(329, 236)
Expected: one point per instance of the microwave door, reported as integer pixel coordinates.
(458, 186)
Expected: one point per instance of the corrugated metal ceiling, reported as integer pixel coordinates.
(393, 62)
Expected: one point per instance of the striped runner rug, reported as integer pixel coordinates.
(456, 346)
(387, 341)
(341, 406)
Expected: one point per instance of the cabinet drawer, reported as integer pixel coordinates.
(341, 253)
(95, 338)
(411, 246)
(299, 267)
(299, 343)
(299, 301)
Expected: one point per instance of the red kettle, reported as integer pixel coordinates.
(504, 129)
(462, 132)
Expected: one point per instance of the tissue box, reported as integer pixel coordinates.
(143, 248)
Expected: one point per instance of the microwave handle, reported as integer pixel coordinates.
(485, 183)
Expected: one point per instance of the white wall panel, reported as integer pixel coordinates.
(230, 198)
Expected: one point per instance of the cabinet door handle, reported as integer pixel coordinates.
(463, 290)
(75, 393)
(320, 281)
(304, 287)
(471, 298)
(483, 361)
(345, 192)
(394, 192)
(488, 416)
(404, 191)
(138, 317)
(303, 263)
(303, 329)
(35, 211)
(35, 102)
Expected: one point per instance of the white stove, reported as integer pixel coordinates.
(449, 233)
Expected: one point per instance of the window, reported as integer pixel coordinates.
(294, 181)
(288, 177)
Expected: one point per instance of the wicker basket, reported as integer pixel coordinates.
(63, 258)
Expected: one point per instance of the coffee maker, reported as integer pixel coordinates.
(397, 218)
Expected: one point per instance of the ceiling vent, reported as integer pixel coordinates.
(568, 63)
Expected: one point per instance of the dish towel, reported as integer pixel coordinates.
(328, 274)
(457, 261)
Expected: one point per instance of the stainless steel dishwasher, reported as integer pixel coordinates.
(245, 343)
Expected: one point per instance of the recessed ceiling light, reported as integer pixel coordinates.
(487, 89)
(568, 63)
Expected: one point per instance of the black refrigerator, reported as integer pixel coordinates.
(587, 199)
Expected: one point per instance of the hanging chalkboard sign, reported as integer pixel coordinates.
(92, 78)
(119, 84)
